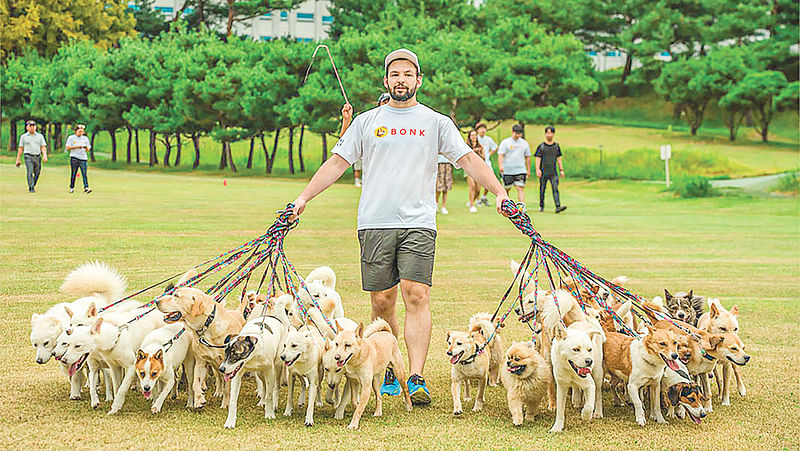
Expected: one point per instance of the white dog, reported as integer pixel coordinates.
(302, 355)
(257, 349)
(162, 352)
(577, 358)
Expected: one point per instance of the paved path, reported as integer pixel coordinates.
(762, 183)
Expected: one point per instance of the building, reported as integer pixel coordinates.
(309, 22)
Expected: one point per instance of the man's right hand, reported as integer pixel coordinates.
(17, 163)
(299, 207)
(539, 173)
(347, 113)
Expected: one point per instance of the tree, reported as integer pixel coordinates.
(46, 25)
(149, 21)
(16, 81)
(766, 92)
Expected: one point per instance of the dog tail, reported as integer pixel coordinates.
(714, 301)
(95, 278)
(551, 314)
(483, 322)
(620, 280)
(658, 301)
(324, 275)
(513, 265)
(379, 325)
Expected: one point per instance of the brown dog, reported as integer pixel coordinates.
(526, 377)
(467, 364)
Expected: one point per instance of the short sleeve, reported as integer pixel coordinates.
(502, 149)
(538, 151)
(558, 151)
(20, 139)
(88, 143)
(350, 145)
(42, 142)
(70, 141)
(492, 145)
(451, 145)
(527, 150)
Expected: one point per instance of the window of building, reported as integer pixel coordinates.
(327, 20)
(305, 17)
(284, 16)
(266, 16)
(266, 38)
(164, 9)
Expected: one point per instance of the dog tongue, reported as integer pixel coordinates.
(228, 377)
(455, 358)
(695, 419)
(584, 371)
(73, 368)
(672, 365)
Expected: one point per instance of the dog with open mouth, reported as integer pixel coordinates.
(577, 359)
(469, 361)
(212, 323)
(526, 377)
(680, 394)
(256, 349)
(640, 364)
(364, 354)
(719, 320)
(335, 373)
(302, 356)
(162, 353)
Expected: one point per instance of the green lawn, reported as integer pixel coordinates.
(745, 250)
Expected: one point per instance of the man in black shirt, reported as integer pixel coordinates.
(548, 154)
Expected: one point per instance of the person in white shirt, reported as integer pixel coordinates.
(400, 143)
(514, 161)
(34, 149)
(78, 145)
(489, 148)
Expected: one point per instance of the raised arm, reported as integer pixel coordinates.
(476, 168)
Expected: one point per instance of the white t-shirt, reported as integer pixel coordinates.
(514, 152)
(400, 148)
(75, 140)
(488, 146)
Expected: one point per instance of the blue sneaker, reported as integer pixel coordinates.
(420, 395)
(391, 386)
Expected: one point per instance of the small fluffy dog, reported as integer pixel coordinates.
(641, 363)
(577, 359)
(364, 355)
(467, 364)
(302, 355)
(162, 353)
(719, 320)
(684, 307)
(526, 379)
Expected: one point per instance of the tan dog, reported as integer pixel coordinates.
(364, 355)
(211, 322)
(641, 363)
(467, 364)
(718, 320)
(526, 379)
(483, 321)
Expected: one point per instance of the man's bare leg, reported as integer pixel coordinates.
(417, 328)
(383, 306)
(521, 194)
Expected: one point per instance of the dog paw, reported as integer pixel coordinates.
(377, 413)
(742, 392)
(352, 425)
(556, 429)
(338, 417)
(477, 408)
(155, 409)
(75, 397)
(640, 421)
(726, 402)
(230, 424)
(458, 412)
(113, 411)
(467, 399)
(517, 423)
(95, 405)
(309, 422)
(269, 415)
(586, 414)
(287, 413)
(597, 415)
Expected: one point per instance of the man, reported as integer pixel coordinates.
(347, 118)
(33, 146)
(548, 154)
(514, 161)
(399, 143)
(77, 145)
(489, 148)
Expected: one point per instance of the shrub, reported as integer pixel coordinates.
(789, 184)
(693, 186)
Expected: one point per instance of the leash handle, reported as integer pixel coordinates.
(335, 71)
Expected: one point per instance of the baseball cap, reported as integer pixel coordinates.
(401, 54)
(517, 128)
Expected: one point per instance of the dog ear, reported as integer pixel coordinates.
(327, 344)
(531, 345)
(448, 336)
(714, 311)
(252, 340)
(559, 331)
(650, 329)
(35, 317)
(690, 294)
(360, 330)
(673, 395)
(734, 311)
(667, 294)
(197, 309)
(140, 355)
(91, 311)
(96, 326)
(68, 310)
(159, 355)
(338, 326)
(715, 340)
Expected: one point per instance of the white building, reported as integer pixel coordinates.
(309, 22)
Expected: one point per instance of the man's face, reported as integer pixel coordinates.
(31, 128)
(548, 135)
(516, 135)
(402, 80)
(80, 131)
(482, 132)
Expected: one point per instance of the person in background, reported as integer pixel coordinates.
(444, 182)
(514, 161)
(78, 145)
(489, 148)
(34, 147)
(548, 155)
(474, 187)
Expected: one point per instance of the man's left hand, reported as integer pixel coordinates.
(562, 173)
(499, 201)
(44, 158)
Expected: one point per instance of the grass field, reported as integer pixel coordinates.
(745, 250)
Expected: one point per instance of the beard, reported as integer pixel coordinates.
(409, 93)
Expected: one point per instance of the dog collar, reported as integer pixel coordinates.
(472, 358)
(706, 355)
(208, 322)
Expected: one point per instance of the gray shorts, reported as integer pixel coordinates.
(388, 255)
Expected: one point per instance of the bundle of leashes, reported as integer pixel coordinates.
(268, 249)
(557, 267)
